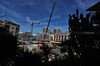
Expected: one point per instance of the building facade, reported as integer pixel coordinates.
(40, 36)
(57, 30)
(44, 30)
(58, 37)
(25, 36)
(11, 27)
(51, 37)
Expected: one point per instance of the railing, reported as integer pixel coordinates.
(7, 24)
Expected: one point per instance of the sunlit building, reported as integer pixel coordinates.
(40, 36)
(57, 30)
(58, 37)
(44, 30)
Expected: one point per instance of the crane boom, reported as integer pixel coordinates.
(48, 24)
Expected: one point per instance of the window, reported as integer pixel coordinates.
(51, 38)
(12, 31)
(68, 36)
(12, 28)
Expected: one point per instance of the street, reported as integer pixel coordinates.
(60, 57)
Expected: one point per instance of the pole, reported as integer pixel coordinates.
(31, 31)
(31, 34)
(32, 28)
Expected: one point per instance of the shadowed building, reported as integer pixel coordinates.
(95, 21)
(95, 7)
(11, 27)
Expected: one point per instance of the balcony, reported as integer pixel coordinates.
(7, 24)
(17, 27)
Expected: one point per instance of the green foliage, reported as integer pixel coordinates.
(24, 43)
(21, 43)
(8, 45)
(27, 49)
(54, 45)
(59, 47)
(20, 49)
(40, 53)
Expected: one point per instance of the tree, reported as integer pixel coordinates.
(83, 39)
(8, 46)
(46, 49)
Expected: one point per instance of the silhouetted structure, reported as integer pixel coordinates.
(85, 35)
(95, 7)
(28, 59)
(10, 26)
(8, 47)
(46, 50)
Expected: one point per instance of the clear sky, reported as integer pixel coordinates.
(19, 11)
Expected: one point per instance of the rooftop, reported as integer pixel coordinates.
(95, 7)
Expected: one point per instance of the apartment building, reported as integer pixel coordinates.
(25, 36)
(57, 30)
(58, 37)
(11, 27)
(40, 36)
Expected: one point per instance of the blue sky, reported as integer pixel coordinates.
(19, 11)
